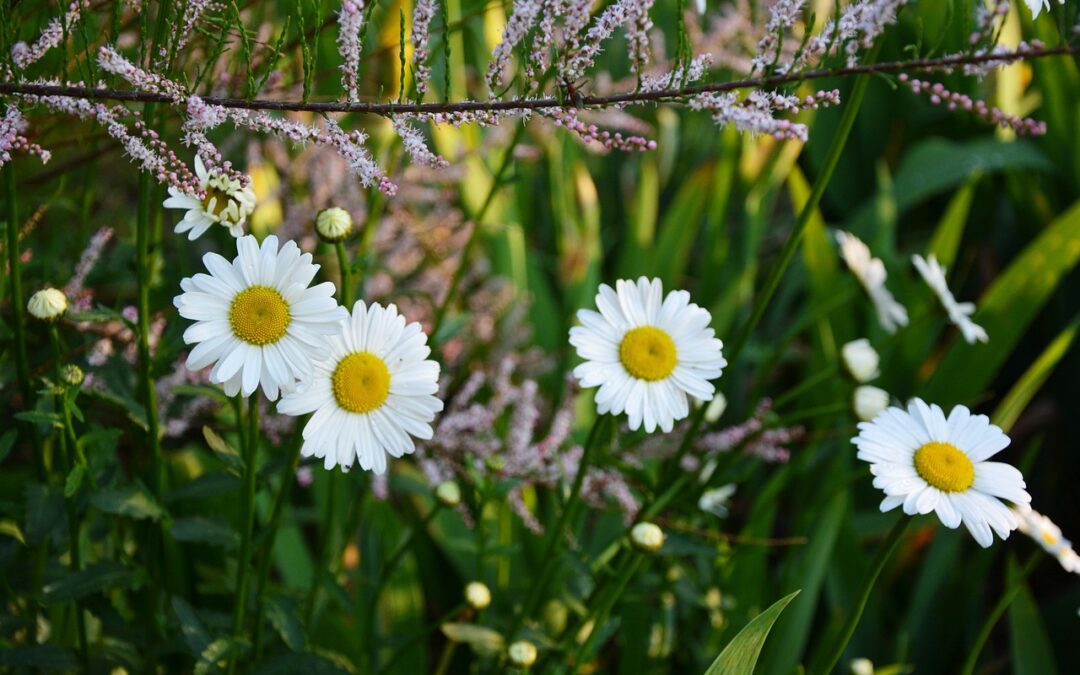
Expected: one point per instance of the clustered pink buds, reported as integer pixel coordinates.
(939, 95)
(12, 126)
(423, 13)
(590, 133)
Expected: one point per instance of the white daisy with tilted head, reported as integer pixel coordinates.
(227, 200)
(374, 392)
(959, 313)
(647, 353)
(871, 273)
(925, 461)
(1047, 534)
(257, 320)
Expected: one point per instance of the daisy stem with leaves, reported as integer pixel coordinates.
(247, 508)
(995, 614)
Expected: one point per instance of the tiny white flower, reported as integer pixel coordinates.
(227, 201)
(334, 224)
(47, 304)
(959, 312)
(868, 401)
(715, 501)
(370, 397)
(647, 537)
(870, 272)
(647, 353)
(477, 595)
(925, 461)
(860, 359)
(1047, 535)
(1037, 6)
(256, 319)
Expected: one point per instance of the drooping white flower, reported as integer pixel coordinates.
(374, 392)
(1047, 535)
(1037, 6)
(959, 312)
(256, 319)
(227, 201)
(926, 462)
(868, 401)
(870, 272)
(647, 353)
(860, 359)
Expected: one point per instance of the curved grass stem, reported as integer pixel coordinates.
(999, 609)
(247, 522)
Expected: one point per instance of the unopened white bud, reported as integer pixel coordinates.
(860, 359)
(448, 494)
(47, 304)
(868, 401)
(522, 654)
(647, 537)
(477, 595)
(716, 408)
(334, 224)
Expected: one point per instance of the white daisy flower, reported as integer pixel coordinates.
(1037, 6)
(646, 352)
(256, 319)
(1048, 535)
(375, 391)
(927, 462)
(959, 312)
(870, 272)
(227, 201)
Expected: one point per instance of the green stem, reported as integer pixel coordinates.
(446, 658)
(144, 266)
(856, 612)
(995, 614)
(406, 647)
(247, 521)
(804, 386)
(326, 546)
(549, 558)
(599, 614)
(345, 267)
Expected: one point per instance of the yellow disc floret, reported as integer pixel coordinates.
(259, 315)
(361, 382)
(945, 467)
(648, 353)
(215, 202)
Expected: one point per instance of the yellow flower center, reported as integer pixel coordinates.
(1049, 538)
(220, 199)
(945, 467)
(259, 315)
(361, 382)
(648, 353)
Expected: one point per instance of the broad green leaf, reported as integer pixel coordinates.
(284, 614)
(741, 654)
(1006, 310)
(937, 165)
(1007, 412)
(40, 417)
(225, 452)
(195, 634)
(74, 480)
(640, 234)
(950, 229)
(1031, 650)
(46, 657)
(133, 501)
(7, 442)
(679, 229)
(212, 531)
(92, 579)
(483, 640)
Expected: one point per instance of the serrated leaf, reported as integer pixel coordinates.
(484, 641)
(225, 452)
(195, 634)
(133, 501)
(741, 654)
(44, 512)
(74, 480)
(284, 615)
(7, 442)
(213, 531)
(93, 579)
(46, 657)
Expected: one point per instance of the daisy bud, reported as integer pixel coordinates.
(860, 359)
(477, 595)
(72, 375)
(334, 224)
(861, 667)
(869, 401)
(716, 408)
(448, 494)
(47, 304)
(646, 537)
(522, 654)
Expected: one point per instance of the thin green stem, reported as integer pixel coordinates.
(247, 522)
(805, 385)
(549, 559)
(326, 546)
(599, 614)
(890, 544)
(346, 292)
(446, 657)
(407, 646)
(999, 609)
(144, 266)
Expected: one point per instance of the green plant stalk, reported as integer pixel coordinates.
(72, 510)
(855, 614)
(144, 265)
(599, 614)
(409, 643)
(995, 614)
(548, 558)
(247, 521)
(346, 275)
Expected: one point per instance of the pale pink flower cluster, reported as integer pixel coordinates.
(756, 113)
(350, 23)
(521, 19)
(112, 61)
(783, 15)
(414, 143)
(79, 297)
(590, 133)
(752, 437)
(939, 95)
(23, 55)
(12, 126)
(423, 13)
(679, 76)
(582, 51)
(859, 24)
(195, 9)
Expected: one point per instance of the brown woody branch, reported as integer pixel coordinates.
(625, 98)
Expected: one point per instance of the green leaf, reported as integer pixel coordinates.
(44, 512)
(74, 480)
(950, 230)
(7, 442)
(1006, 310)
(225, 452)
(206, 485)
(132, 500)
(484, 641)
(741, 654)
(11, 529)
(93, 579)
(680, 227)
(1031, 650)
(1007, 412)
(46, 657)
(283, 614)
(218, 653)
(195, 634)
(212, 531)
(40, 417)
